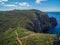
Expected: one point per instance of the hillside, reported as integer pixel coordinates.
(26, 27)
(9, 37)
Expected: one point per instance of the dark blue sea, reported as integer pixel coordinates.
(55, 30)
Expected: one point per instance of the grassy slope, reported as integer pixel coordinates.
(9, 37)
(9, 24)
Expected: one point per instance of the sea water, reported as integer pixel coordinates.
(55, 30)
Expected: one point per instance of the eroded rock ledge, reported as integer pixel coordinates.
(42, 24)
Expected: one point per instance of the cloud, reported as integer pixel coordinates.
(16, 5)
(3, 3)
(24, 4)
(3, 0)
(38, 1)
(10, 5)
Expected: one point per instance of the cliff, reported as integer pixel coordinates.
(18, 27)
(33, 20)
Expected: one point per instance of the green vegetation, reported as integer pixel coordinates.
(16, 21)
(9, 37)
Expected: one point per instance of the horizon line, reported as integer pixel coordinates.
(29, 9)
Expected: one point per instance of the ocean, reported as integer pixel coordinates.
(55, 30)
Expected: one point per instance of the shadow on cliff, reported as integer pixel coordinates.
(42, 24)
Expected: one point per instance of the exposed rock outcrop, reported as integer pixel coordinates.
(42, 24)
(53, 21)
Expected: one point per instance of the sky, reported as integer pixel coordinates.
(43, 5)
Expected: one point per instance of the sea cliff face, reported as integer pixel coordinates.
(42, 23)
